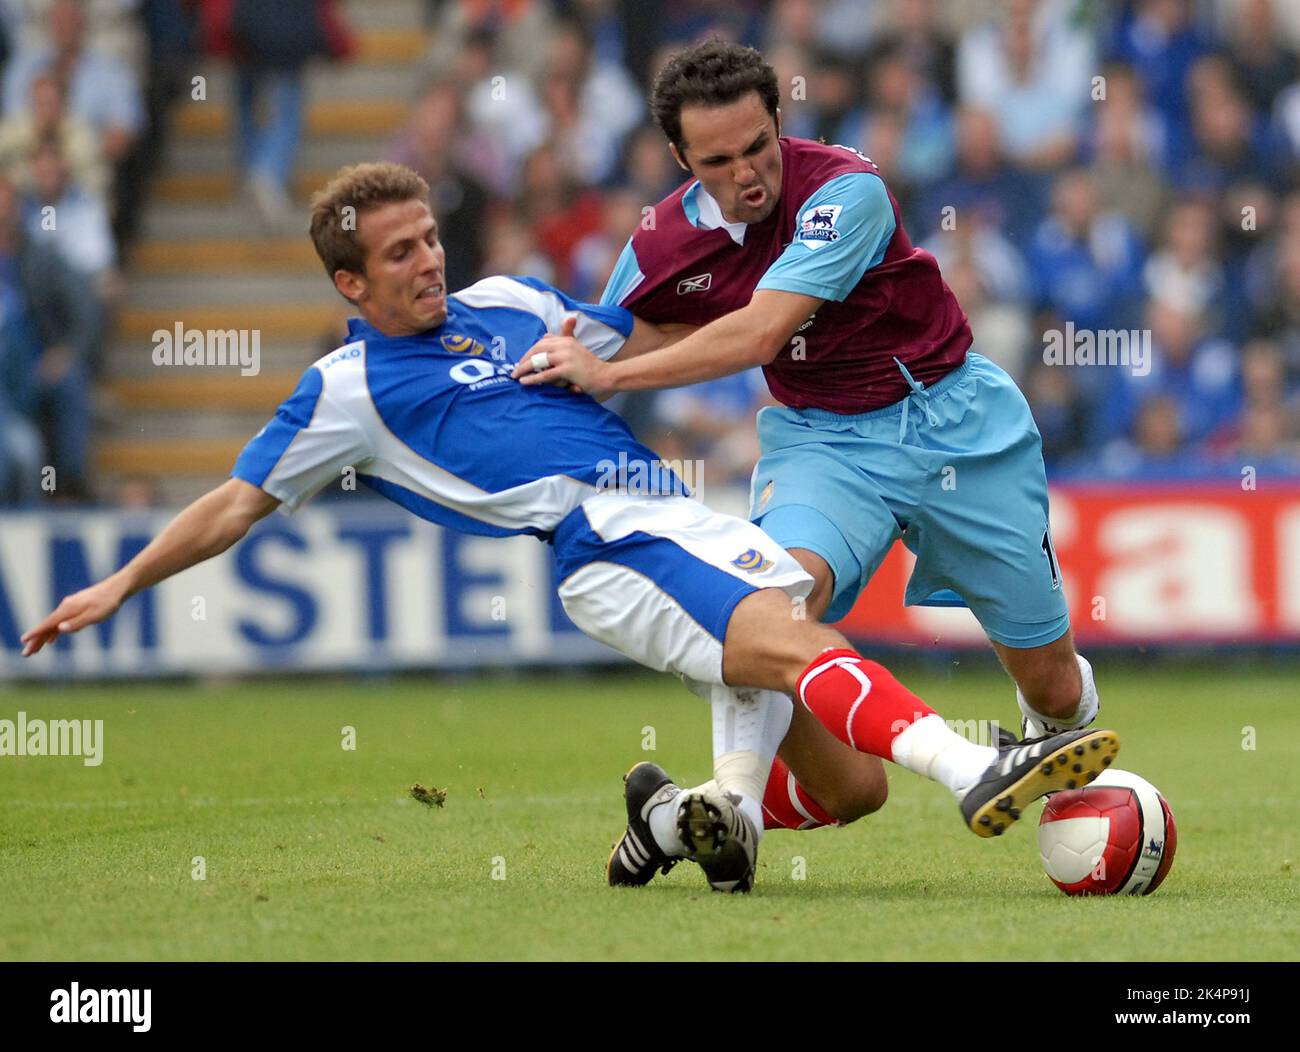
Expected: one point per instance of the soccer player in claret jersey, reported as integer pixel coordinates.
(421, 404)
(792, 256)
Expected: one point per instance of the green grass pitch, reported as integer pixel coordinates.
(313, 851)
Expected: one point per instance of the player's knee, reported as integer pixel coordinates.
(1056, 697)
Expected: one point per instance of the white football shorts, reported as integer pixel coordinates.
(657, 577)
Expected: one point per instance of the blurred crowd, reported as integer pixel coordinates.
(86, 88)
(1125, 167)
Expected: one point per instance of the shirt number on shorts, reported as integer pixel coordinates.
(1050, 552)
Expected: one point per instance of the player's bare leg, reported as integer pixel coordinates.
(1054, 686)
(818, 600)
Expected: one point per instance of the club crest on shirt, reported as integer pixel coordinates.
(751, 561)
(699, 283)
(459, 344)
(817, 225)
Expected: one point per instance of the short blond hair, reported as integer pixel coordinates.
(337, 207)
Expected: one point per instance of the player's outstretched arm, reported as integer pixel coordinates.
(750, 336)
(206, 528)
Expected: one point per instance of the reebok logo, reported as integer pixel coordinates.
(699, 283)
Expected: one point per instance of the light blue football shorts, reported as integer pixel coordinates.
(955, 469)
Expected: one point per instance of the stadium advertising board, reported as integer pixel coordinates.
(339, 587)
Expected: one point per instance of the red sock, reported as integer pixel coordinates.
(859, 701)
(787, 805)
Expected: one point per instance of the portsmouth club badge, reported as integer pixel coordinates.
(817, 225)
(459, 344)
(751, 561)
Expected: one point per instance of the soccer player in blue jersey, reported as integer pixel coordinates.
(421, 403)
(792, 257)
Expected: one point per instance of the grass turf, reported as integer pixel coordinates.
(317, 852)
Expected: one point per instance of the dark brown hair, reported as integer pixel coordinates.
(714, 73)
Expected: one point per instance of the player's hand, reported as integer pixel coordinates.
(569, 363)
(87, 607)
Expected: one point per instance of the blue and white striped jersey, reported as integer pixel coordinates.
(435, 423)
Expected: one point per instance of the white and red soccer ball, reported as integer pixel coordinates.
(1114, 837)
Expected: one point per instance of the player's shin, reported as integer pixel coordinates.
(863, 705)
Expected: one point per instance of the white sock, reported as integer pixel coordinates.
(1037, 725)
(934, 750)
(751, 808)
(663, 827)
(748, 728)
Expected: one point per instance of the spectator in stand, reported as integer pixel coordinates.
(1035, 72)
(1124, 146)
(1159, 38)
(1231, 156)
(21, 450)
(47, 120)
(983, 181)
(649, 168)
(1268, 441)
(830, 103)
(100, 89)
(989, 279)
(512, 248)
(686, 21)
(559, 211)
(514, 33)
(431, 142)
(797, 78)
(926, 45)
(1085, 262)
(272, 43)
(595, 255)
(1267, 434)
(1274, 288)
(172, 33)
(1155, 448)
(61, 214)
(1263, 62)
(1187, 268)
(894, 90)
(51, 333)
(1059, 411)
(505, 117)
(1200, 373)
(591, 104)
(1264, 374)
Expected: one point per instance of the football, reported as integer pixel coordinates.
(1115, 837)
